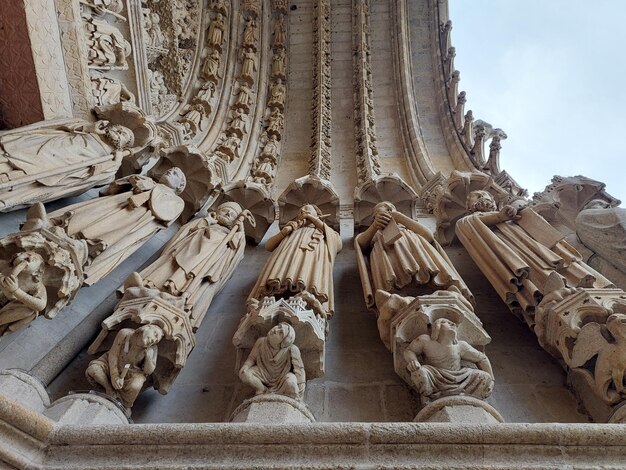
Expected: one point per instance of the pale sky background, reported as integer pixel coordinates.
(552, 75)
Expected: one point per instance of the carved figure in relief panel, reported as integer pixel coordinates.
(107, 91)
(192, 117)
(154, 34)
(401, 252)
(118, 223)
(303, 256)
(276, 122)
(102, 7)
(123, 370)
(265, 167)
(107, 48)
(517, 252)
(44, 164)
(210, 66)
(229, 147)
(249, 34)
(239, 122)
(278, 64)
(279, 33)
(435, 363)
(205, 96)
(245, 97)
(248, 65)
(215, 37)
(275, 364)
(278, 92)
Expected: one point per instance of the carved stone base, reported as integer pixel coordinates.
(24, 388)
(87, 408)
(459, 409)
(272, 409)
(593, 405)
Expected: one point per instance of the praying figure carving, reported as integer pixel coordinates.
(123, 370)
(402, 252)
(47, 163)
(215, 37)
(302, 259)
(275, 364)
(107, 47)
(118, 223)
(436, 364)
(517, 252)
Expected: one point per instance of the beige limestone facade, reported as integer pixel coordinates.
(274, 234)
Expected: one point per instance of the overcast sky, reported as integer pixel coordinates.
(552, 74)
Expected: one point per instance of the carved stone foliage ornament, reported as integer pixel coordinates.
(165, 304)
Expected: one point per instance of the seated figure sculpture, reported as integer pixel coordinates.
(23, 294)
(123, 370)
(47, 163)
(415, 256)
(436, 369)
(116, 225)
(275, 364)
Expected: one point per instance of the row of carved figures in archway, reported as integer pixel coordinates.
(576, 312)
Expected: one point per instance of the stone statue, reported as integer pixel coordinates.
(517, 252)
(23, 294)
(410, 255)
(279, 32)
(47, 163)
(210, 66)
(108, 91)
(602, 229)
(278, 92)
(276, 122)
(239, 122)
(248, 64)
(435, 364)
(275, 365)
(117, 224)
(278, 64)
(215, 37)
(249, 34)
(200, 258)
(152, 25)
(303, 255)
(244, 96)
(122, 371)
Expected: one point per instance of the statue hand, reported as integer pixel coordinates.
(9, 284)
(413, 366)
(117, 383)
(509, 213)
(382, 219)
(289, 227)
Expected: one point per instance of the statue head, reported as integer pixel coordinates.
(119, 136)
(597, 204)
(28, 262)
(310, 209)
(384, 206)
(227, 213)
(116, 6)
(149, 335)
(174, 178)
(281, 336)
(442, 327)
(481, 201)
(616, 324)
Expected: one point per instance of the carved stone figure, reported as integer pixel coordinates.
(275, 365)
(215, 37)
(107, 47)
(248, 65)
(192, 116)
(303, 256)
(249, 34)
(264, 169)
(44, 164)
(278, 64)
(108, 91)
(244, 96)
(205, 96)
(435, 365)
(403, 252)
(239, 122)
(229, 146)
(22, 292)
(102, 7)
(517, 252)
(200, 258)
(155, 36)
(276, 122)
(210, 66)
(602, 229)
(117, 224)
(122, 371)
(279, 33)
(278, 91)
